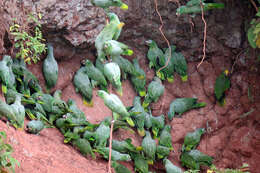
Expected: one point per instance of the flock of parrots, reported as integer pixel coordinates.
(24, 96)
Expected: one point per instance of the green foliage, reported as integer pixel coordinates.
(30, 45)
(253, 33)
(7, 162)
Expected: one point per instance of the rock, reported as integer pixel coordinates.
(220, 64)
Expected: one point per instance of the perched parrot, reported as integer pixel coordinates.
(6, 74)
(192, 139)
(50, 68)
(181, 105)
(194, 159)
(96, 76)
(139, 80)
(116, 105)
(113, 74)
(166, 137)
(171, 168)
(111, 30)
(102, 133)
(149, 147)
(154, 91)
(139, 119)
(116, 48)
(222, 85)
(105, 4)
(154, 54)
(83, 86)
(126, 66)
(35, 126)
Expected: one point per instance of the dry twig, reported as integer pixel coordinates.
(205, 34)
(110, 146)
(168, 43)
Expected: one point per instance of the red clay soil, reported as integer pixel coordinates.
(232, 137)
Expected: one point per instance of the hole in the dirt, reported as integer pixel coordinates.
(7, 43)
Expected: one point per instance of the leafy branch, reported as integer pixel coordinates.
(29, 46)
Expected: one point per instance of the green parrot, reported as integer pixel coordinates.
(105, 4)
(139, 119)
(25, 77)
(99, 65)
(6, 74)
(162, 151)
(19, 111)
(125, 65)
(116, 48)
(166, 137)
(111, 30)
(96, 76)
(119, 168)
(180, 65)
(154, 54)
(83, 86)
(113, 74)
(181, 105)
(8, 112)
(168, 71)
(194, 159)
(154, 91)
(148, 119)
(140, 163)
(35, 126)
(158, 123)
(139, 80)
(192, 139)
(222, 85)
(193, 6)
(124, 146)
(171, 168)
(75, 110)
(11, 95)
(115, 105)
(115, 155)
(102, 133)
(50, 68)
(83, 146)
(149, 147)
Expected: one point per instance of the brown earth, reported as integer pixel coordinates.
(232, 137)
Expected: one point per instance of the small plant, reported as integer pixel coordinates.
(30, 45)
(7, 162)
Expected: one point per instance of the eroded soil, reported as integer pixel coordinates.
(232, 137)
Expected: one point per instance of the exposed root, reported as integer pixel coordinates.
(164, 37)
(110, 146)
(205, 34)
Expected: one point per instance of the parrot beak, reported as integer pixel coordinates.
(120, 25)
(124, 6)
